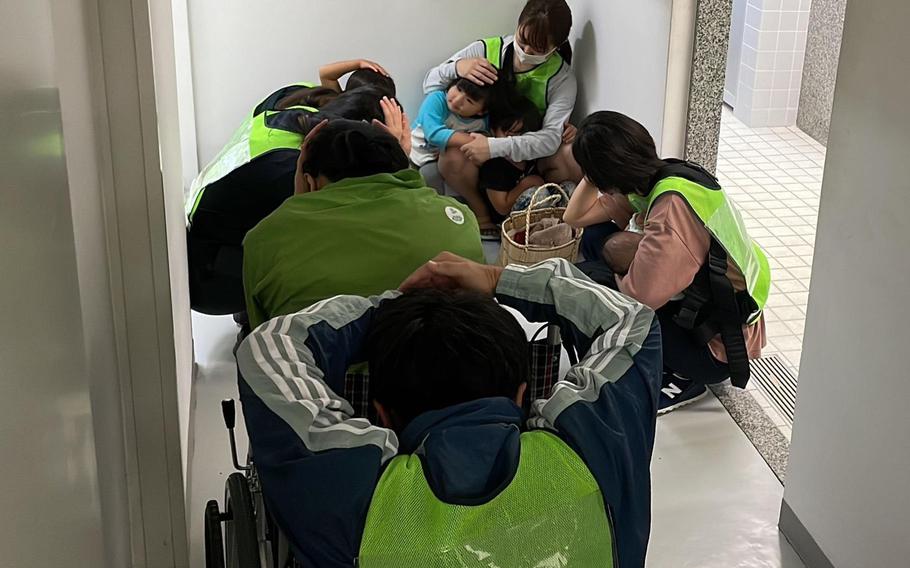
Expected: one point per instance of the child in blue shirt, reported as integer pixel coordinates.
(447, 118)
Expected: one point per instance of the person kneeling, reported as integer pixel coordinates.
(457, 472)
(360, 221)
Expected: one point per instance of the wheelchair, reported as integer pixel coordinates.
(244, 535)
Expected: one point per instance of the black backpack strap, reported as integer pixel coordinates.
(726, 314)
(696, 297)
(686, 170)
(712, 306)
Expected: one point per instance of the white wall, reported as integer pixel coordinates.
(850, 466)
(621, 58)
(771, 62)
(244, 50)
(183, 86)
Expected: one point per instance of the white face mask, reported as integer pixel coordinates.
(531, 60)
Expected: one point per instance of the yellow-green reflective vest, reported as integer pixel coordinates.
(534, 83)
(259, 134)
(551, 514)
(725, 225)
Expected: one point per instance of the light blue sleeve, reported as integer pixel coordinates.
(432, 118)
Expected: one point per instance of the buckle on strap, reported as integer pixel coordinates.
(686, 317)
(717, 259)
(691, 306)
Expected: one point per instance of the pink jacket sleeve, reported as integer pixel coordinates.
(674, 247)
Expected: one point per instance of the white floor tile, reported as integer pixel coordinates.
(794, 261)
(786, 286)
(803, 272)
(799, 298)
(796, 326)
(789, 313)
(786, 343)
(780, 171)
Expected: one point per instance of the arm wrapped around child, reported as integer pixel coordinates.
(503, 180)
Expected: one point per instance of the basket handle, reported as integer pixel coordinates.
(534, 203)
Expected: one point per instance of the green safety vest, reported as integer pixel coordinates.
(725, 225)
(533, 84)
(258, 135)
(552, 514)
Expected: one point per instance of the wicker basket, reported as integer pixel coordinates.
(527, 255)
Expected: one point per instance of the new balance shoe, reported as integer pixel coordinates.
(676, 392)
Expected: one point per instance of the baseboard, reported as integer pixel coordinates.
(191, 443)
(800, 539)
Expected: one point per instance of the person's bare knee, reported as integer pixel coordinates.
(572, 169)
(459, 172)
(461, 175)
(561, 166)
(451, 163)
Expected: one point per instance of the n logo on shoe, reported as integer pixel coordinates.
(671, 390)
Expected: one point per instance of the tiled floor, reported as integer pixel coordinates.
(775, 176)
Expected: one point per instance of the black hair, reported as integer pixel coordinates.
(315, 97)
(615, 151)
(368, 77)
(349, 148)
(361, 103)
(513, 108)
(480, 93)
(430, 349)
(547, 22)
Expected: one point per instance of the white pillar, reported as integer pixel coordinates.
(847, 495)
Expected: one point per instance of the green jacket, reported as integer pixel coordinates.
(358, 236)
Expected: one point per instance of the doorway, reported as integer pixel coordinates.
(776, 97)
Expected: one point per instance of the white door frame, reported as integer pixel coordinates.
(110, 122)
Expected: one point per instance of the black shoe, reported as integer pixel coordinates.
(676, 392)
(242, 319)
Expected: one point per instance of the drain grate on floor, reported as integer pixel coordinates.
(777, 382)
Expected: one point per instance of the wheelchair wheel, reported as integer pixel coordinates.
(214, 544)
(241, 541)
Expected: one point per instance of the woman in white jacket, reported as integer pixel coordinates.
(537, 59)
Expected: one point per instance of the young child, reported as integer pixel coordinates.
(363, 73)
(447, 118)
(501, 180)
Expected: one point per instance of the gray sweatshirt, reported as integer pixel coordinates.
(533, 145)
